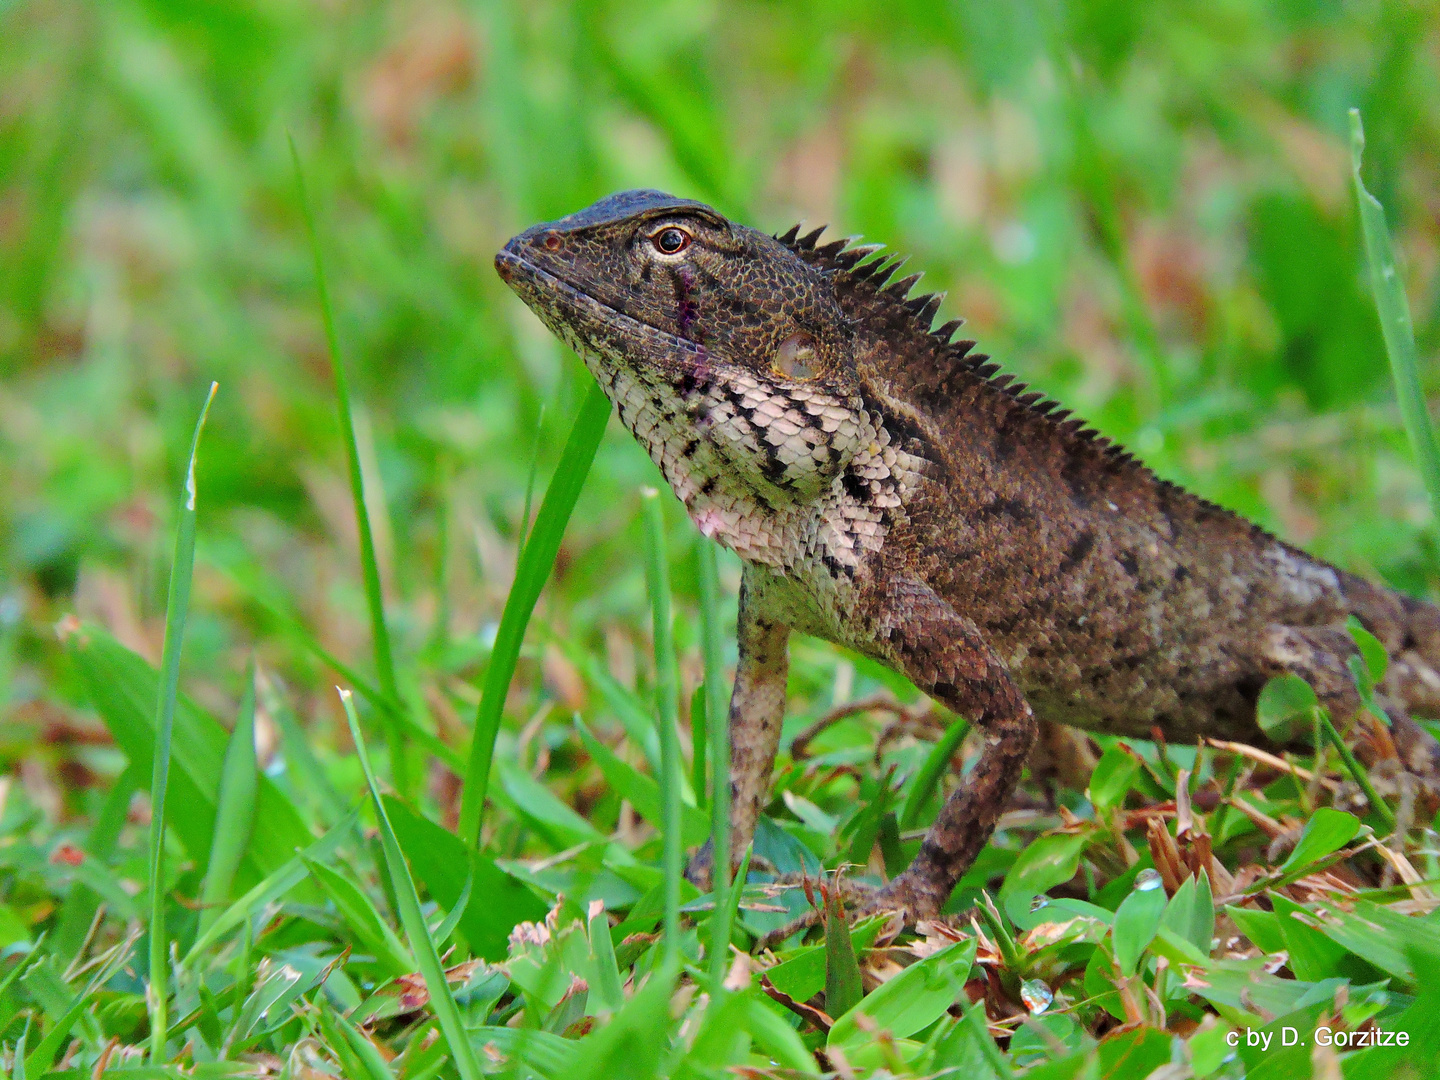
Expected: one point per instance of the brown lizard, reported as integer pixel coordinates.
(889, 490)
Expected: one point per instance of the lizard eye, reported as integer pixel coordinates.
(671, 240)
(796, 357)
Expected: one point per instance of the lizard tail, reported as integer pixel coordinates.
(1410, 631)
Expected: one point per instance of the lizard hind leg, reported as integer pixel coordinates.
(944, 654)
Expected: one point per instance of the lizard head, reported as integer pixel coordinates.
(725, 353)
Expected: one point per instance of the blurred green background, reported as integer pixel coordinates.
(1144, 208)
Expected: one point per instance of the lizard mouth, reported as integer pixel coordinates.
(599, 324)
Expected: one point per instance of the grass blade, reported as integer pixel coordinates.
(413, 919)
(1356, 770)
(608, 990)
(843, 988)
(177, 607)
(699, 723)
(370, 569)
(937, 763)
(367, 1057)
(235, 809)
(541, 546)
(274, 886)
(1395, 324)
(372, 932)
(667, 707)
(717, 723)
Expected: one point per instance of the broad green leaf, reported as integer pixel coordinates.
(1112, 777)
(779, 1040)
(1327, 831)
(1191, 913)
(1377, 660)
(966, 1050)
(912, 1000)
(642, 792)
(1378, 934)
(1261, 927)
(1136, 921)
(1286, 708)
(441, 860)
(608, 991)
(1048, 861)
(372, 1064)
(564, 827)
(122, 687)
(552, 1057)
(1418, 1021)
(802, 973)
(1177, 949)
(1134, 1052)
(1313, 956)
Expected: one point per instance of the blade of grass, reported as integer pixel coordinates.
(370, 569)
(177, 607)
(530, 487)
(843, 988)
(235, 808)
(935, 766)
(608, 989)
(413, 919)
(699, 737)
(717, 722)
(447, 925)
(1395, 325)
(334, 1023)
(274, 886)
(1357, 771)
(667, 709)
(541, 547)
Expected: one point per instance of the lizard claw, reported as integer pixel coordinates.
(898, 898)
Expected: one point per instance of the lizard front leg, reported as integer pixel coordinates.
(757, 711)
(944, 654)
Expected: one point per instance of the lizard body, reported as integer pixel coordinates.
(890, 491)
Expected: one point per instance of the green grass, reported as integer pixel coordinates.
(177, 610)
(1152, 212)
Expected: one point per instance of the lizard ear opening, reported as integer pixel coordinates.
(797, 357)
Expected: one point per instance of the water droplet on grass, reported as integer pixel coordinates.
(1147, 880)
(1039, 902)
(1036, 995)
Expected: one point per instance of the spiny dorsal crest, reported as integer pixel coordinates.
(867, 281)
(885, 303)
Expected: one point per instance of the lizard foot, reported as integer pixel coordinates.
(898, 898)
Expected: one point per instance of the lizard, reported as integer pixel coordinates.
(889, 489)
